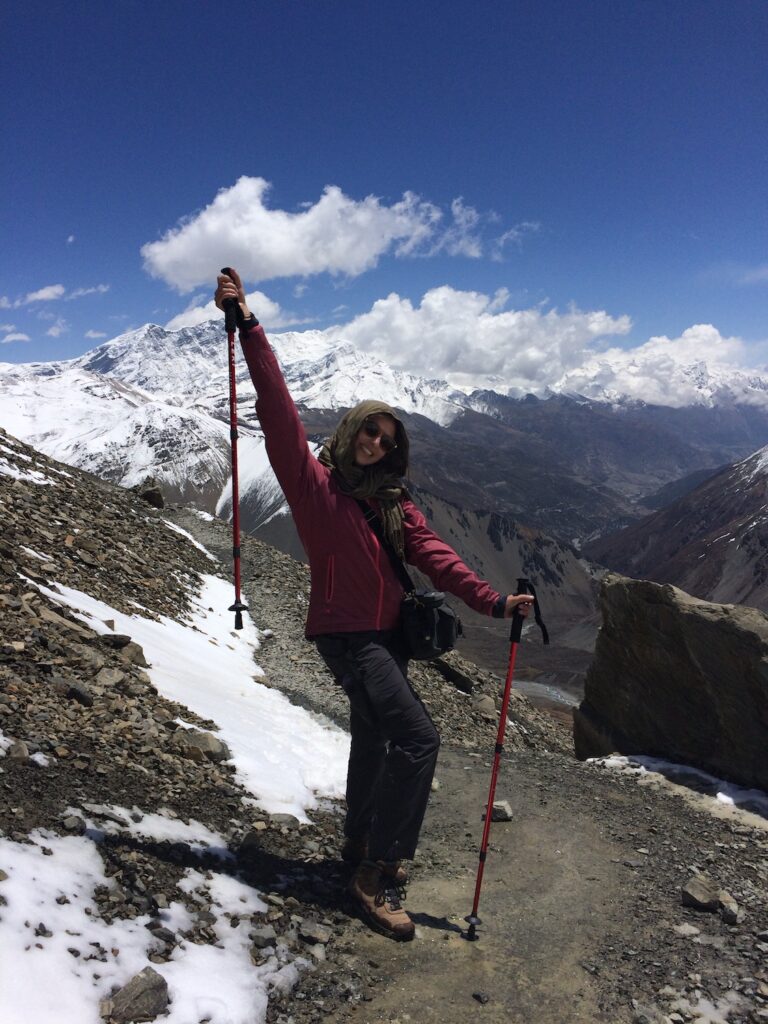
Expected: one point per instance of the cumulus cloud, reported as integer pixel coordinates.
(662, 371)
(14, 337)
(470, 339)
(337, 235)
(268, 312)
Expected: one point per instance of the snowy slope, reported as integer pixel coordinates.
(153, 402)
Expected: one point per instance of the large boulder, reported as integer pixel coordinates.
(678, 678)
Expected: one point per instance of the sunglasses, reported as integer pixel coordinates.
(372, 430)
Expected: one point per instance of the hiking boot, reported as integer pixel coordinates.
(378, 897)
(355, 850)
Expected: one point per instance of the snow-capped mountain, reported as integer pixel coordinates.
(153, 402)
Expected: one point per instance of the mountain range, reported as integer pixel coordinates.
(511, 481)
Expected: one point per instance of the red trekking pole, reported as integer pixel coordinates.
(524, 586)
(230, 325)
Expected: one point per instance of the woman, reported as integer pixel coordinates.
(354, 609)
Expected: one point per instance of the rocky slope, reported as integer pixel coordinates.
(712, 542)
(584, 919)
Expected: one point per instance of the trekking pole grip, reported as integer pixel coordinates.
(516, 632)
(230, 308)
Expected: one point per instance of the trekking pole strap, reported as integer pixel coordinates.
(524, 586)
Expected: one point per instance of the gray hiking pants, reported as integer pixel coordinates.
(394, 742)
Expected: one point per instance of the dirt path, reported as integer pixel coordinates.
(547, 891)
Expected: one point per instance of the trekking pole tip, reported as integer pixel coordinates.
(238, 608)
(471, 933)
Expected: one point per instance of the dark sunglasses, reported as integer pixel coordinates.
(373, 431)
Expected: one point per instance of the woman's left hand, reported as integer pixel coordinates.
(518, 603)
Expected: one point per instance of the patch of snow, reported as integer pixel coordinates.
(190, 538)
(283, 755)
(717, 791)
(60, 959)
(32, 477)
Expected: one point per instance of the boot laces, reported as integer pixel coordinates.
(391, 893)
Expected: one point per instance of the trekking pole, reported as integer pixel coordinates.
(524, 586)
(230, 325)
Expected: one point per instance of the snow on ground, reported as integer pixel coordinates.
(283, 755)
(190, 538)
(59, 958)
(718, 794)
(32, 476)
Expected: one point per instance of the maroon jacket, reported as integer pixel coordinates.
(354, 586)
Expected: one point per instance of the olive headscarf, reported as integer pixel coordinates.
(382, 481)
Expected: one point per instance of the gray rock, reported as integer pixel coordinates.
(730, 911)
(313, 933)
(701, 893)
(678, 678)
(142, 999)
(501, 811)
(200, 746)
(263, 936)
(133, 653)
(74, 823)
(286, 820)
(18, 751)
(485, 705)
(109, 677)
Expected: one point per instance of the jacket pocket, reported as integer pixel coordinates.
(329, 579)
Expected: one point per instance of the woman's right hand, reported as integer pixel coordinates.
(231, 288)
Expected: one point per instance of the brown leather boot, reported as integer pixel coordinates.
(355, 850)
(378, 897)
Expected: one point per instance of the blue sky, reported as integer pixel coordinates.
(572, 159)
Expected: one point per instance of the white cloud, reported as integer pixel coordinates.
(6, 327)
(469, 338)
(268, 312)
(514, 236)
(95, 334)
(299, 290)
(60, 327)
(337, 235)
(662, 371)
(14, 337)
(463, 237)
(70, 239)
(78, 293)
(51, 293)
(47, 294)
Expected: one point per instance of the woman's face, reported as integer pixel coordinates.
(375, 439)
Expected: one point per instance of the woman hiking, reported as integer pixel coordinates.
(354, 608)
